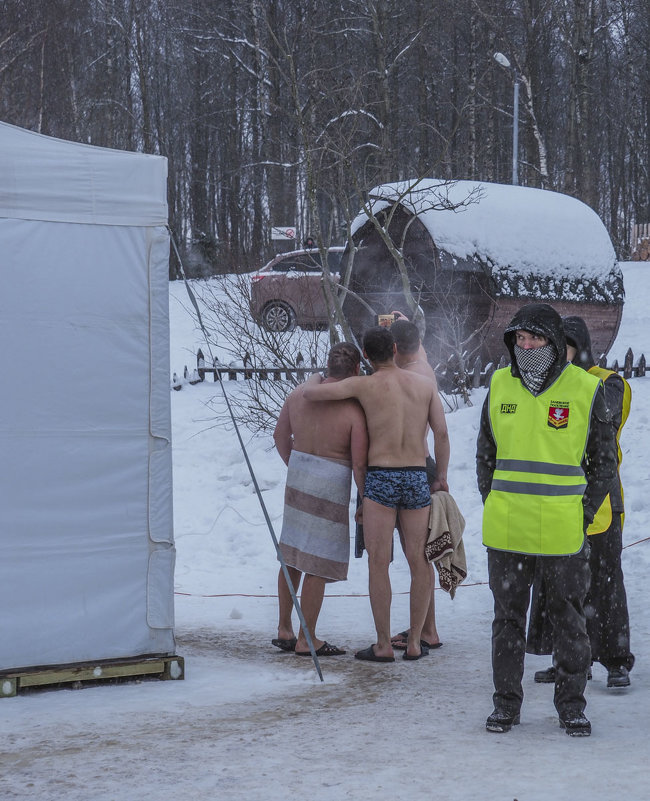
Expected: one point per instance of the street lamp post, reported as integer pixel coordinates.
(504, 62)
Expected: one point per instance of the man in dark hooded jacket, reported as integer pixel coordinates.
(545, 462)
(608, 622)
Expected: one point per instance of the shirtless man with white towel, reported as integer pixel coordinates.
(323, 445)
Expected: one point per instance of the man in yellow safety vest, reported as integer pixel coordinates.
(545, 462)
(608, 622)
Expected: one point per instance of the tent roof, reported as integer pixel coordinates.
(523, 235)
(43, 178)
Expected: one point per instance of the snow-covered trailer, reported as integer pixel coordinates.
(475, 252)
(86, 539)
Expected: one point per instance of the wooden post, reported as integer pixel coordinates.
(627, 365)
(476, 373)
(248, 374)
(640, 370)
(200, 364)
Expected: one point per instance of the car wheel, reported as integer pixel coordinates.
(278, 317)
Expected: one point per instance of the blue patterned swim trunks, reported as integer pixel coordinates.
(398, 487)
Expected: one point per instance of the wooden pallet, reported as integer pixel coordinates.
(163, 667)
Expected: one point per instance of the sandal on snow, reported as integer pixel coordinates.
(285, 645)
(368, 655)
(399, 641)
(325, 650)
(423, 652)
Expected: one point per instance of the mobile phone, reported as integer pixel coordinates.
(386, 320)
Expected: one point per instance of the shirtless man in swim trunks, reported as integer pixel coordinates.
(410, 355)
(335, 431)
(398, 405)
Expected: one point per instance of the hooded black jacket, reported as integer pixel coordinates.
(538, 318)
(577, 334)
(599, 463)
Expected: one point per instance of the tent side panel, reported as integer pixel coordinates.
(78, 313)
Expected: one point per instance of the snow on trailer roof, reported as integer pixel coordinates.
(533, 240)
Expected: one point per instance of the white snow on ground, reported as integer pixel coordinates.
(252, 723)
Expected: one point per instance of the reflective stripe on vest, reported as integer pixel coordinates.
(535, 504)
(603, 517)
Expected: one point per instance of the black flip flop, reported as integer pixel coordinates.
(368, 655)
(399, 640)
(285, 645)
(400, 644)
(325, 650)
(424, 651)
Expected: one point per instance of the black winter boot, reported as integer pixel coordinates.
(501, 721)
(548, 676)
(618, 677)
(575, 725)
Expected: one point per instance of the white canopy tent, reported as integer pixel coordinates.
(86, 537)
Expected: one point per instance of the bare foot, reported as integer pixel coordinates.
(303, 645)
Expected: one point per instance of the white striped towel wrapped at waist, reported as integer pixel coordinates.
(315, 534)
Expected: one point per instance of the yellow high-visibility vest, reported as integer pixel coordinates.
(603, 517)
(535, 502)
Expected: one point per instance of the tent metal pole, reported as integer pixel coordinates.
(269, 523)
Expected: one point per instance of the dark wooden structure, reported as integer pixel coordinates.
(469, 299)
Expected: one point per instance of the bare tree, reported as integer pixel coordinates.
(283, 112)
(225, 305)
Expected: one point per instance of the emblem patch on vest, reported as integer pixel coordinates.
(508, 408)
(558, 414)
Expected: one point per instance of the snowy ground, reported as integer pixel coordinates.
(253, 723)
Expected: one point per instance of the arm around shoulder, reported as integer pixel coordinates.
(336, 390)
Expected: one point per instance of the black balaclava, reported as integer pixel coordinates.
(537, 367)
(534, 365)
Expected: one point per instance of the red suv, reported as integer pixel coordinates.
(288, 290)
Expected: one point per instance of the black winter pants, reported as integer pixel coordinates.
(608, 622)
(567, 581)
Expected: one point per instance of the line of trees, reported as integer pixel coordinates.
(283, 112)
